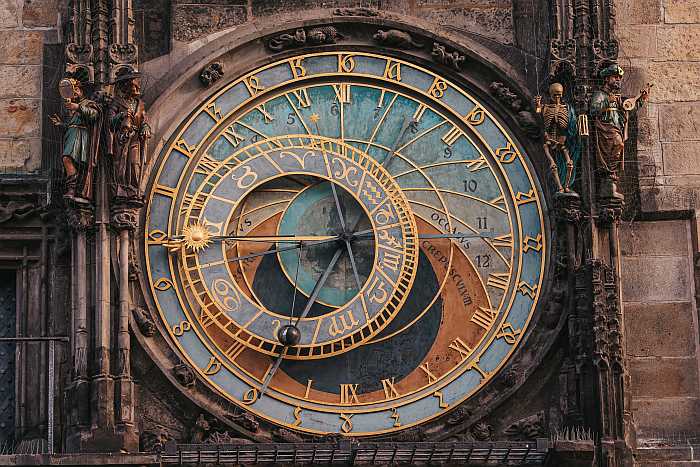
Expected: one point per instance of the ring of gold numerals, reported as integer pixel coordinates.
(383, 293)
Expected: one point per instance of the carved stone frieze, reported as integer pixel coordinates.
(531, 427)
(211, 73)
(144, 321)
(360, 11)
(13, 210)
(396, 39)
(154, 439)
(121, 54)
(218, 437)
(80, 218)
(458, 416)
(124, 218)
(605, 53)
(286, 436)
(452, 59)
(568, 207)
(184, 375)
(507, 97)
(304, 37)
(246, 421)
(562, 59)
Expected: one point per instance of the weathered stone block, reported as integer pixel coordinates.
(669, 198)
(39, 13)
(20, 47)
(19, 117)
(668, 414)
(493, 22)
(9, 13)
(655, 278)
(674, 81)
(20, 81)
(20, 155)
(659, 329)
(638, 11)
(684, 11)
(664, 377)
(679, 42)
(655, 238)
(273, 7)
(193, 21)
(681, 158)
(679, 122)
(637, 40)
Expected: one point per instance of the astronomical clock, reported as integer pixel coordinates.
(344, 242)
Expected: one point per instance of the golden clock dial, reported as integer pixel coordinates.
(378, 209)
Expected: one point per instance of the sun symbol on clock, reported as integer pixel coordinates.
(196, 236)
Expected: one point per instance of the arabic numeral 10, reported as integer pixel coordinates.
(470, 185)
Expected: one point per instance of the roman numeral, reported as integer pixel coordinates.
(266, 115)
(477, 164)
(498, 280)
(390, 261)
(522, 198)
(232, 137)
(503, 241)
(206, 165)
(342, 92)
(234, 350)
(389, 388)
(418, 114)
(451, 136)
(348, 394)
(302, 98)
(499, 201)
(426, 369)
(185, 148)
(463, 349)
(165, 191)
(484, 317)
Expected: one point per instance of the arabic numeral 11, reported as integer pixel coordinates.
(482, 222)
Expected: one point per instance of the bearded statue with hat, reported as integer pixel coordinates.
(81, 135)
(127, 135)
(611, 118)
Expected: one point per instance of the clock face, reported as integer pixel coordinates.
(371, 208)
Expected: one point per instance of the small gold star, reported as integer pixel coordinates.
(314, 118)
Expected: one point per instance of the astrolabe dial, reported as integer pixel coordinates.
(345, 242)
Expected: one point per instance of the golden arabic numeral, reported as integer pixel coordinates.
(392, 70)
(250, 396)
(426, 369)
(213, 367)
(507, 154)
(246, 179)
(276, 324)
(476, 116)
(308, 388)
(298, 69)
(346, 427)
(475, 366)
(390, 390)
(508, 333)
(181, 328)
(157, 235)
(253, 85)
(527, 289)
(522, 198)
(484, 317)
(438, 88)
(396, 417)
(441, 400)
(346, 63)
(297, 416)
(348, 394)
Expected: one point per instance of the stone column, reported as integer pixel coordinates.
(124, 222)
(81, 219)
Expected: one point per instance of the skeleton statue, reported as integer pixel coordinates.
(561, 142)
(81, 131)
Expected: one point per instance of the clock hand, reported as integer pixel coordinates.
(276, 250)
(337, 207)
(406, 124)
(369, 232)
(314, 293)
(354, 266)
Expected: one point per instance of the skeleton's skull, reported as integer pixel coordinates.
(556, 91)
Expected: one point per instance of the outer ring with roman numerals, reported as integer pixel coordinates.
(457, 140)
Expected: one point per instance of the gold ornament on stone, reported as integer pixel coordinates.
(196, 236)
